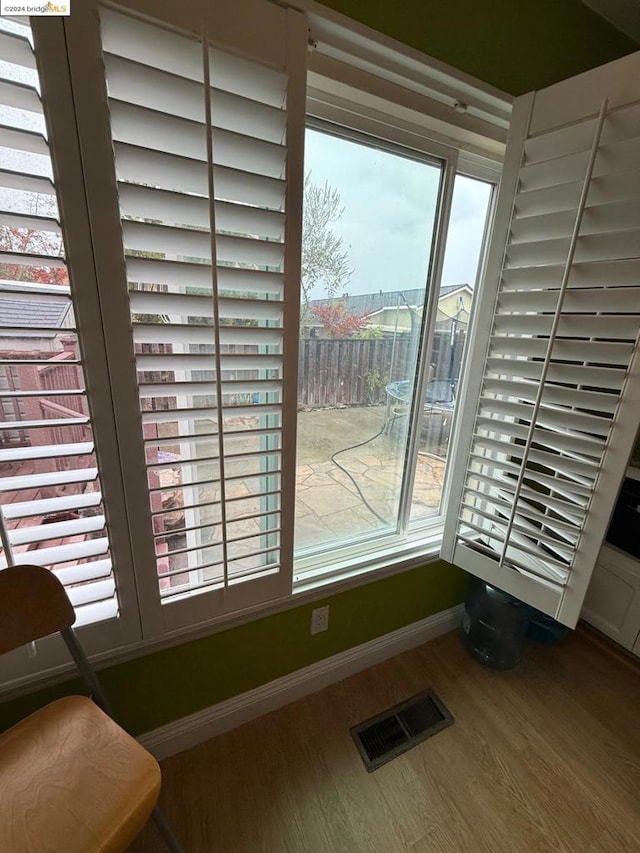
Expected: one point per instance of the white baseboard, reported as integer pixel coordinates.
(196, 728)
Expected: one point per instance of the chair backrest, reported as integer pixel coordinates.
(33, 604)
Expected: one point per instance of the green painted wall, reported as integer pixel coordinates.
(155, 689)
(516, 45)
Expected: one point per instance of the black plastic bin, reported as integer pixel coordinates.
(494, 626)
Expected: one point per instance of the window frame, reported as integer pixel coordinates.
(428, 88)
(419, 540)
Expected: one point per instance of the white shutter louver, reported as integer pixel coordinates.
(51, 510)
(200, 150)
(555, 419)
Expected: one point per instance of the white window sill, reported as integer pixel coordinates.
(317, 573)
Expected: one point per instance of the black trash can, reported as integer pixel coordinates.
(494, 626)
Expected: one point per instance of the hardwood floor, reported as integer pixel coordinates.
(545, 757)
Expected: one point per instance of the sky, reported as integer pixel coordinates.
(389, 207)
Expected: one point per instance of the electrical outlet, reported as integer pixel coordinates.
(319, 619)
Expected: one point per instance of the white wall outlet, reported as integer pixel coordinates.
(319, 619)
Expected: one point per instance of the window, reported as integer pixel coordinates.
(371, 463)
(168, 368)
(352, 434)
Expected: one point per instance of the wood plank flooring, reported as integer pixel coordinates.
(545, 757)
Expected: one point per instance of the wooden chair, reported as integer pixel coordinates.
(71, 780)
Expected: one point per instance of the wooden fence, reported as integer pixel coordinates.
(352, 372)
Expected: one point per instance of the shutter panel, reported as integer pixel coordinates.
(51, 509)
(208, 184)
(551, 421)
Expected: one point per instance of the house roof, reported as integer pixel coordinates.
(452, 288)
(368, 303)
(32, 313)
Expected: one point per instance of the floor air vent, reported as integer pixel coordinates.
(399, 729)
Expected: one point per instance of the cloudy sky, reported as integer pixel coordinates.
(389, 206)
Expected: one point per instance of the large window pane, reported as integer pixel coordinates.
(367, 245)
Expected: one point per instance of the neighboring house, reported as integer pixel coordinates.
(368, 303)
(391, 311)
(44, 316)
(454, 306)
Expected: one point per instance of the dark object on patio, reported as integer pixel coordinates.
(494, 626)
(440, 392)
(439, 401)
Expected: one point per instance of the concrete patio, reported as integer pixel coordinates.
(329, 504)
(334, 502)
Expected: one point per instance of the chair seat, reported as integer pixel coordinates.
(72, 781)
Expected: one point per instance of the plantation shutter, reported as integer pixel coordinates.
(207, 126)
(551, 420)
(51, 506)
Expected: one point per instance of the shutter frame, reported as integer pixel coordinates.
(504, 293)
(86, 59)
(107, 614)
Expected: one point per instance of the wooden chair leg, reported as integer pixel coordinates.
(165, 830)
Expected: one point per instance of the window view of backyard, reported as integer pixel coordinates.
(367, 244)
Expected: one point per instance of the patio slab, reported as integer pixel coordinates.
(324, 500)
(328, 505)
